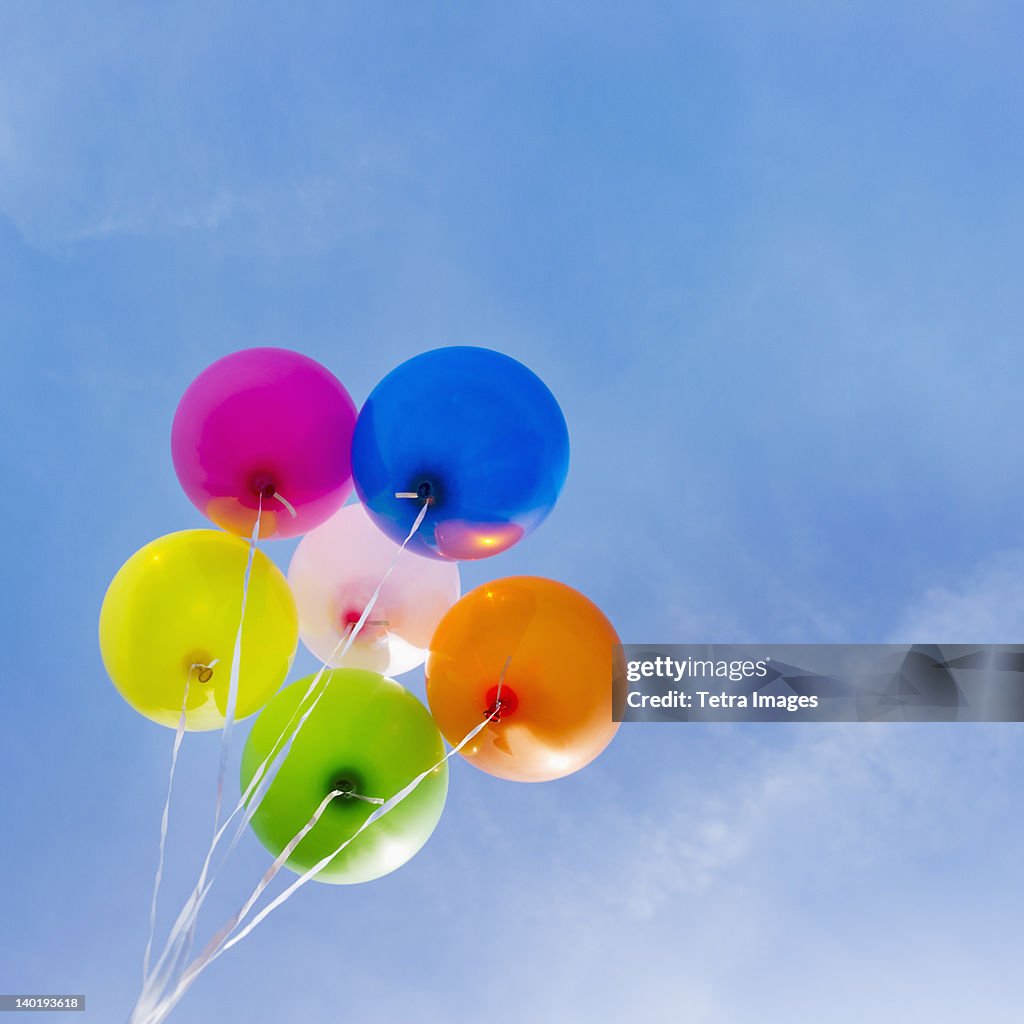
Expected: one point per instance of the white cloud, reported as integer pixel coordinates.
(786, 887)
(820, 873)
(984, 606)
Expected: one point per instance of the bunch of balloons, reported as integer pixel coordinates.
(457, 454)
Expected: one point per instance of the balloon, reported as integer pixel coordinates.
(474, 431)
(270, 424)
(556, 711)
(172, 611)
(333, 574)
(368, 735)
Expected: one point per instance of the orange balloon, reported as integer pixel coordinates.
(556, 711)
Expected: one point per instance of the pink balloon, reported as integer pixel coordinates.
(265, 424)
(333, 574)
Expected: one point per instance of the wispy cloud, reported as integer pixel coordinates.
(984, 605)
(770, 886)
(807, 867)
(153, 219)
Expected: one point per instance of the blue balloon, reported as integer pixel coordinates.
(473, 431)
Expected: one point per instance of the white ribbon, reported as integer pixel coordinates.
(179, 941)
(178, 736)
(226, 937)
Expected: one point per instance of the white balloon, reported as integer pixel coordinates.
(333, 574)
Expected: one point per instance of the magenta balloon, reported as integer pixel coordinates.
(259, 423)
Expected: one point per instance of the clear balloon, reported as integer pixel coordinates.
(270, 426)
(367, 736)
(333, 575)
(170, 618)
(556, 658)
(474, 431)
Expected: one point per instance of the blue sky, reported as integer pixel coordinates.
(768, 257)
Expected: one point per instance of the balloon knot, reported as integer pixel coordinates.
(263, 486)
(502, 706)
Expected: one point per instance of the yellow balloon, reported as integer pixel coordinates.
(171, 615)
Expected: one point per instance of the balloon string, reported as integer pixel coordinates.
(268, 876)
(271, 764)
(287, 504)
(236, 665)
(159, 1010)
(252, 798)
(160, 971)
(385, 808)
(226, 938)
(349, 795)
(501, 683)
(340, 650)
(165, 817)
(174, 951)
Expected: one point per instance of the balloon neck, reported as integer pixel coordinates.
(501, 707)
(200, 666)
(263, 486)
(425, 491)
(346, 784)
(348, 619)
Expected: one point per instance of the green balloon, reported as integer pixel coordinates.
(367, 735)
